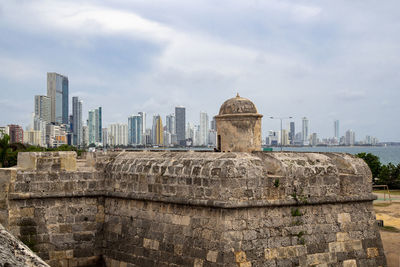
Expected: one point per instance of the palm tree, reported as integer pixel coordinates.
(4, 149)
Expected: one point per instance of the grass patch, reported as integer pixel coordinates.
(390, 229)
(392, 192)
(382, 204)
(296, 212)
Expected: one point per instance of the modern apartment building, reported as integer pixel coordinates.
(76, 121)
(180, 123)
(57, 91)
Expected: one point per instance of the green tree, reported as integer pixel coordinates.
(5, 150)
(373, 163)
(390, 175)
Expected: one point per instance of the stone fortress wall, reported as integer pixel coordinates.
(193, 209)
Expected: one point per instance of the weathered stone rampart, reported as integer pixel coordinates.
(13, 253)
(193, 209)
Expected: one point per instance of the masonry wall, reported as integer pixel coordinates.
(329, 234)
(193, 209)
(55, 210)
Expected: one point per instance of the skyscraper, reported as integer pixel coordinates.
(85, 135)
(203, 129)
(336, 129)
(304, 130)
(100, 125)
(180, 123)
(350, 138)
(213, 124)
(143, 115)
(104, 134)
(57, 91)
(292, 132)
(135, 131)
(158, 132)
(314, 139)
(95, 126)
(76, 121)
(284, 137)
(170, 123)
(118, 134)
(43, 107)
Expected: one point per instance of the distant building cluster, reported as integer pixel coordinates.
(289, 137)
(52, 125)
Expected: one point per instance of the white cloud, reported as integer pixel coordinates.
(19, 68)
(289, 57)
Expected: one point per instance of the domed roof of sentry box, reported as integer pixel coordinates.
(237, 105)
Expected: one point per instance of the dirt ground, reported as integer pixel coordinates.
(390, 234)
(391, 245)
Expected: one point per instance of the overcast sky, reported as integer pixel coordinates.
(325, 60)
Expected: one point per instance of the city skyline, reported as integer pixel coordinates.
(136, 132)
(306, 59)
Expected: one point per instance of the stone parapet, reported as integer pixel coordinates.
(60, 160)
(193, 208)
(228, 180)
(14, 253)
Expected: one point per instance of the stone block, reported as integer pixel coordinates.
(181, 220)
(150, 244)
(372, 252)
(178, 249)
(240, 256)
(285, 252)
(350, 263)
(27, 161)
(27, 212)
(212, 256)
(114, 263)
(344, 218)
(68, 161)
(69, 254)
(321, 258)
(198, 263)
(346, 246)
(340, 237)
(57, 255)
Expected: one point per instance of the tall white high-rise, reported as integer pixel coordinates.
(143, 115)
(203, 130)
(283, 137)
(190, 132)
(43, 107)
(336, 129)
(196, 137)
(314, 139)
(350, 138)
(40, 125)
(85, 135)
(118, 134)
(105, 137)
(305, 130)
